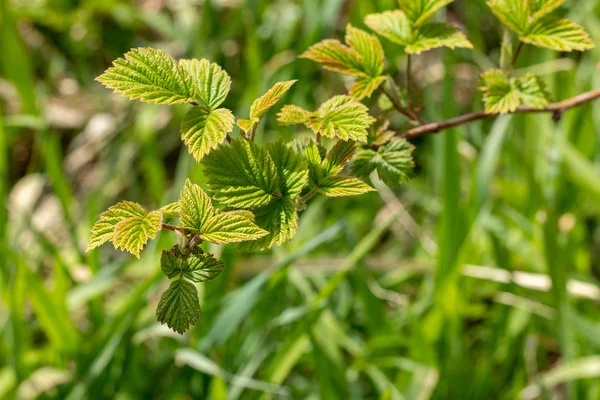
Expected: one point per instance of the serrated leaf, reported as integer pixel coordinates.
(314, 161)
(291, 115)
(104, 230)
(499, 93)
(279, 218)
(195, 267)
(539, 8)
(342, 117)
(365, 86)
(379, 133)
(558, 34)
(392, 25)
(503, 95)
(433, 35)
(339, 155)
(532, 91)
(393, 162)
(241, 175)
(132, 234)
(337, 186)
(261, 105)
(335, 56)
(418, 11)
(195, 207)
(229, 227)
(150, 75)
(210, 82)
(179, 306)
(245, 124)
(512, 13)
(203, 129)
(292, 169)
(369, 48)
(171, 210)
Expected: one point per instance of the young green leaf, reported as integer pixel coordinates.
(379, 133)
(132, 234)
(245, 124)
(499, 93)
(197, 267)
(241, 175)
(539, 8)
(104, 230)
(210, 82)
(292, 169)
(503, 95)
(396, 27)
(150, 75)
(532, 91)
(291, 115)
(171, 210)
(342, 117)
(369, 48)
(229, 227)
(433, 35)
(261, 105)
(393, 162)
(203, 129)
(512, 13)
(418, 11)
(335, 56)
(279, 218)
(179, 306)
(558, 34)
(339, 155)
(338, 186)
(195, 207)
(362, 58)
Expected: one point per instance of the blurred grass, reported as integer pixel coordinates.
(519, 194)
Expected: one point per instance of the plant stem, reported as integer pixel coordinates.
(397, 104)
(318, 138)
(517, 54)
(556, 108)
(309, 195)
(408, 82)
(228, 139)
(253, 133)
(174, 228)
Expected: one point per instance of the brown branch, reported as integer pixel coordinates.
(556, 108)
(170, 227)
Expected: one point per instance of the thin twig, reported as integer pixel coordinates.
(408, 81)
(396, 103)
(517, 54)
(173, 227)
(228, 139)
(556, 108)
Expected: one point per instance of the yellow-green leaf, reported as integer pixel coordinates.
(558, 34)
(104, 230)
(210, 82)
(261, 105)
(229, 227)
(338, 186)
(132, 234)
(418, 11)
(203, 129)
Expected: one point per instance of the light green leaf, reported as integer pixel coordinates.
(499, 93)
(558, 34)
(241, 175)
(171, 210)
(195, 207)
(341, 117)
(132, 234)
(292, 169)
(245, 124)
(418, 11)
(314, 160)
(532, 91)
(335, 56)
(150, 75)
(264, 103)
(291, 115)
(203, 129)
(503, 95)
(392, 25)
(365, 86)
(210, 82)
(512, 13)
(379, 133)
(369, 48)
(539, 8)
(338, 157)
(104, 230)
(337, 186)
(229, 227)
(433, 35)
(393, 162)
(179, 306)
(279, 218)
(197, 266)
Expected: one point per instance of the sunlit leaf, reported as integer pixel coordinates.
(209, 81)
(132, 234)
(203, 129)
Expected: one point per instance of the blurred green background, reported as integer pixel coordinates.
(440, 290)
